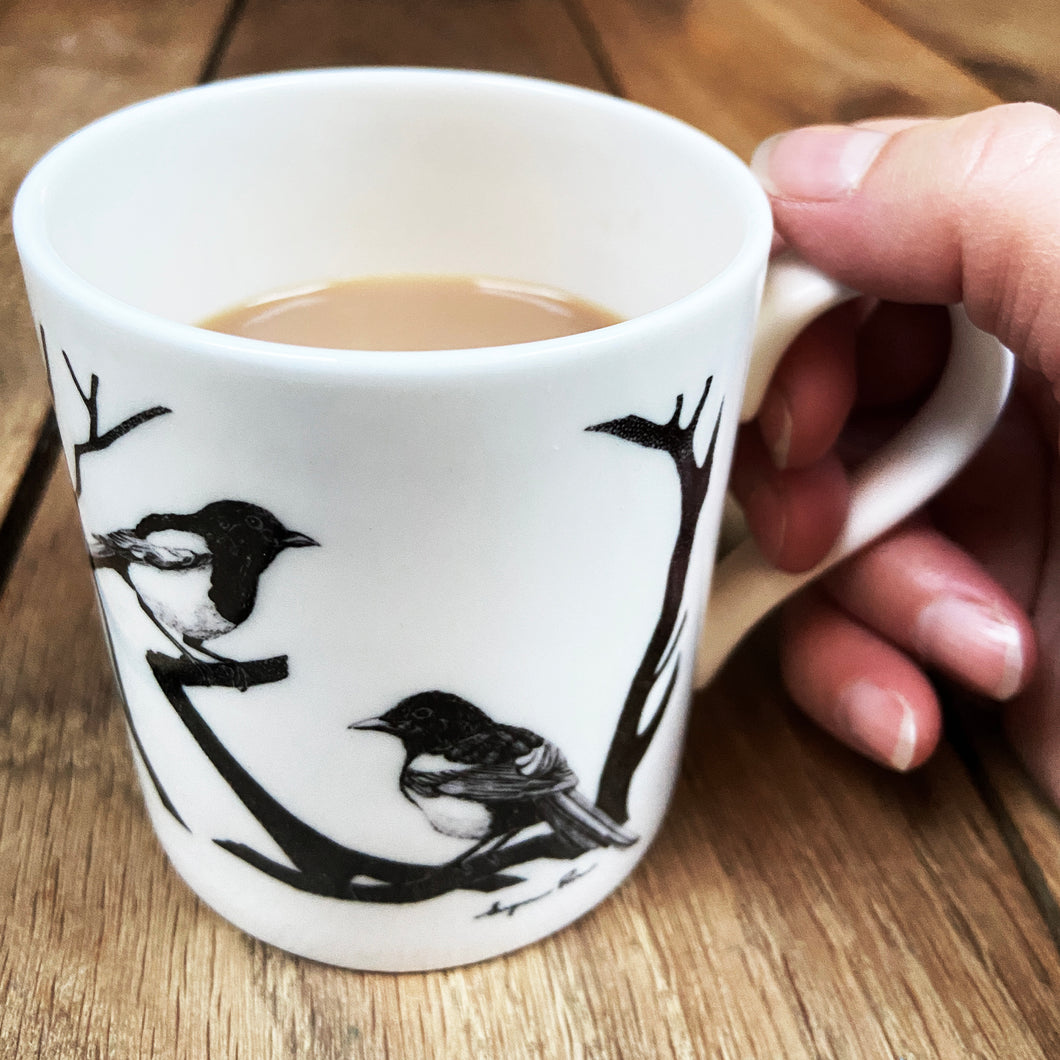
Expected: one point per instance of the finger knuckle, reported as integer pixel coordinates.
(1007, 203)
(1005, 143)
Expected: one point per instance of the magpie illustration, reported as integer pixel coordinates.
(476, 779)
(196, 576)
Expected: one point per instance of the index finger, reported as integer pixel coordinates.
(940, 211)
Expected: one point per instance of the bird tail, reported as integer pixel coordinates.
(101, 546)
(121, 544)
(574, 817)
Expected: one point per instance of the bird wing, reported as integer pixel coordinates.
(542, 771)
(234, 587)
(125, 545)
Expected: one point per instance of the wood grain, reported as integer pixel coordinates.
(799, 903)
(516, 36)
(1036, 822)
(744, 69)
(1011, 48)
(1025, 817)
(61, 65)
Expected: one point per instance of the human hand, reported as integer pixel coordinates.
(914, 213)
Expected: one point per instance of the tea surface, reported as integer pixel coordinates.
(414, 313)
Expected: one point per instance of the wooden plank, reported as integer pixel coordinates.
(516, 36)
(1026, 817)
(744, 69)
(799, 903)
(1012, 48)
(60, 67)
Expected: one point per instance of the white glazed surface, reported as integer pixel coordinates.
(472, 535)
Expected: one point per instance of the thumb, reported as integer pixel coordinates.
(964, 209)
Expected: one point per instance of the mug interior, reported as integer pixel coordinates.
(196, 202)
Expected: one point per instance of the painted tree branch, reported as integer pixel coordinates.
(96, 441)
(152, 775)
(482, 872)
(320, 864)
(632, 734)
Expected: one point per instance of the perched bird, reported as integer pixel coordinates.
(196, 576)
(476, 779)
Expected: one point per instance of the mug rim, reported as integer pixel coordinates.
(39, 254)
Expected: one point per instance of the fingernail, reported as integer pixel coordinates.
(776, 423)
(974, 642)
(818, 163)
(881, 723)
(766, 516)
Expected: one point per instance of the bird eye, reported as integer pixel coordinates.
(254, 522)
(421, 713)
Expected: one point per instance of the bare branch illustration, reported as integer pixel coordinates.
(321, 865)
(632, 735)
(90, 398)
(152, 774)
(44, 352)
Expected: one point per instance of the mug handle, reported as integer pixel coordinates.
(886, 488)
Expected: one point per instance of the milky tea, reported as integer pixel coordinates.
(414, 313)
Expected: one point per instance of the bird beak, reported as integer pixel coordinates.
(372, 725)
(295, 540)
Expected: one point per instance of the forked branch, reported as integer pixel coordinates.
(90, 399)
(661, 662)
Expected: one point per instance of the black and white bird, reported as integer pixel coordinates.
(197, 575)
(476, 779)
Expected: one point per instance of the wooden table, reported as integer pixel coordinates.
(799, 903)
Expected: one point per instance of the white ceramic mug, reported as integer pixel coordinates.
(406, 641)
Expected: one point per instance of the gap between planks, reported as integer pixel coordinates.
(962, 731)
(594, 45)
(27, 497)
(215, 56)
